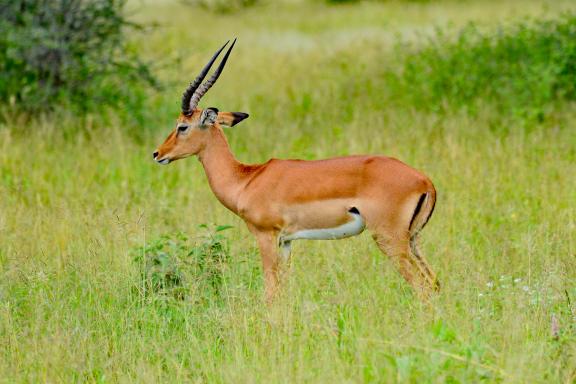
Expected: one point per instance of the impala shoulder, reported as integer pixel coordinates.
(254, 175)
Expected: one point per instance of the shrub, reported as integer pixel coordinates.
(180, 267)
(523, 67)
(374, 1)
(68, 51)
(224, 6)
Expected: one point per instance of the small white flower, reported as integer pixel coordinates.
(518, 279)
(490, 284)
(525, 288)
(480, 294)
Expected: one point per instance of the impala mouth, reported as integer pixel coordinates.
(163, 161)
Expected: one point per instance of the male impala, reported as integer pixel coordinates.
(285, 200)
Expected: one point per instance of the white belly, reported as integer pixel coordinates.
(351, 228)
(354, 227)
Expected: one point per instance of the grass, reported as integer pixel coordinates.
(78, 195)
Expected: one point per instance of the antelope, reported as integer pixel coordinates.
(285, 200)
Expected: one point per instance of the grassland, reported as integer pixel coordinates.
(77, 195)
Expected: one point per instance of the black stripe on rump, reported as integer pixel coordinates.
(431, 212)
(417, 210)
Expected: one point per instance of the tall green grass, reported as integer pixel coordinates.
(80, 195)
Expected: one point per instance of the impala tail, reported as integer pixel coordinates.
(423, 211)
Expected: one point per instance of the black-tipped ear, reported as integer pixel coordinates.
(238, 117)
(209, 116)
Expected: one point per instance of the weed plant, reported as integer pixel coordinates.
(178, 267)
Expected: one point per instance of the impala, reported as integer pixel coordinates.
(284, 200)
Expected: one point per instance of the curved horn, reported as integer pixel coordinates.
(210, 82)
(186, 109)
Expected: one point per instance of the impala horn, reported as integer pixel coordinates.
(210, 82)
(187, 108)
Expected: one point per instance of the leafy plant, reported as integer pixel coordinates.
(523, 67)
(177, 266)
(375, 1)
(224, 6)
(71, 52)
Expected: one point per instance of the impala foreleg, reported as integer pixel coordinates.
(267, 242)
(285, 249)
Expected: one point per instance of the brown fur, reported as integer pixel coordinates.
(291, 195)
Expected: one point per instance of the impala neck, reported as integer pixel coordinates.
(224, 172)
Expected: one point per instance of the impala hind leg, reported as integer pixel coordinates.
(430, 275)
(409, 262)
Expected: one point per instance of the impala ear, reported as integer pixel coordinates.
(209, 116)
(230, 119)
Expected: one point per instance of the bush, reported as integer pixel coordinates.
(523, 67)
(179, 267)
(224, 6)
(376, 1)
(68, 51)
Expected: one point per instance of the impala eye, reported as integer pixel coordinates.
(182, 128)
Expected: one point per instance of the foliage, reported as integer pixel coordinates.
(223, 6)
(523, 67)
(380, 1)
(183, 268)
(71, 52)
(341, 1)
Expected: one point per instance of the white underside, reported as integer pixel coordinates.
(352, 228)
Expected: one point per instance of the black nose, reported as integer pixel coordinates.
(155, 154)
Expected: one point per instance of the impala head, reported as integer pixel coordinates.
(192, 132)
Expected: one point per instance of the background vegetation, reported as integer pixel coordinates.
(106, 276)
(524, 66)
(71, 53)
